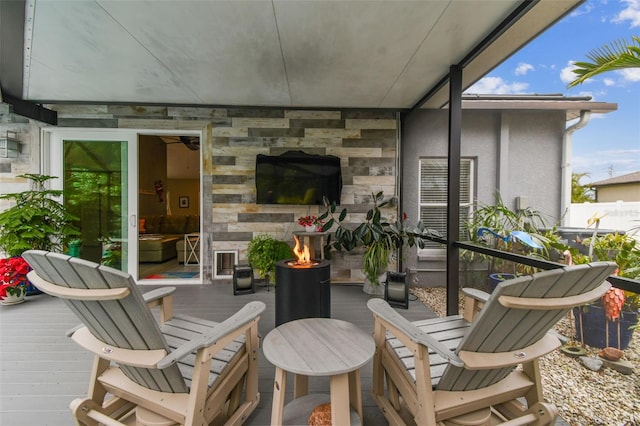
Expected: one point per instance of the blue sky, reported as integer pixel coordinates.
(610, 143)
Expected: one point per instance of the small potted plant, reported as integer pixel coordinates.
(13, 280)
(310, 223)
(264, 251)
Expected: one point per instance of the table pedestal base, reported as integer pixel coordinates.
(345, 399)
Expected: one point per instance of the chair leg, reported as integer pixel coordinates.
(532, 370)
(97, 392)
(86, 412)
(235, 397)
(394, 395)
(378, 370)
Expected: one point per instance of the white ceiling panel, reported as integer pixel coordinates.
(352, 52)
(365, 54)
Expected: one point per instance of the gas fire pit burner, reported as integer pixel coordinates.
(298, 264)
(303, 290)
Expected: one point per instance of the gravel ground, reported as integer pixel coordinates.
(583, 397)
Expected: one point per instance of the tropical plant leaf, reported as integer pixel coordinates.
(618, 55)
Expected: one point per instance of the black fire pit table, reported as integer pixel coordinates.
(302, 290)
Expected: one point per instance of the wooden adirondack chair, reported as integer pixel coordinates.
(461, 369)
(178, 370)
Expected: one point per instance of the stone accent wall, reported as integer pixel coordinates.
(26, 162)
(365, 141)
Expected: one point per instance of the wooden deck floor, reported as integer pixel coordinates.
(41, 370)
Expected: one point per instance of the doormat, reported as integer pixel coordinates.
(172, 275)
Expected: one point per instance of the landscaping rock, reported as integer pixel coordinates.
(621, 366)
(583, 397)
(593, 364)
(611, 354)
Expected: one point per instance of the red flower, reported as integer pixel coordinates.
(13, 273)
(310, 221)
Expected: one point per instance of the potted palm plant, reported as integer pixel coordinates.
(35, 221)
(514, 231)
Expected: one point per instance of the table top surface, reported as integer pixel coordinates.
(318, 347)
(310, 234)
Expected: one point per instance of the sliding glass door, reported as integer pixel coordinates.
(94, 168)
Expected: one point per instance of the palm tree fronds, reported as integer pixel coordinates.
(618, 55)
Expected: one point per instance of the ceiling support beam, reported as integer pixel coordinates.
(31, 110)
(12, 21)
(453, 187)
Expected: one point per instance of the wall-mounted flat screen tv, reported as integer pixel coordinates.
(296, 177)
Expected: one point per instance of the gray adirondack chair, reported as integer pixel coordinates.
(461, 369)
(174, 370)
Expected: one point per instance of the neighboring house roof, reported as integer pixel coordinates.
(337, 54)
(619, 180)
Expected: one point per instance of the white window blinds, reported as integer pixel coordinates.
(433, 194)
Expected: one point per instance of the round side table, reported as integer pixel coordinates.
(318, 347)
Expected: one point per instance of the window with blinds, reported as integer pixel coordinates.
(433, 195)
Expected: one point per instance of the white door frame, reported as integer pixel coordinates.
(52, 148)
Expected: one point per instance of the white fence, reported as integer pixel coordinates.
(621, 216)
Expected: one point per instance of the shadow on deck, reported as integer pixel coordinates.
(42, 371)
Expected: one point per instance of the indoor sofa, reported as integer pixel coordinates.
(162, 237)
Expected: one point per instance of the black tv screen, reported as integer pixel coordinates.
(296, 177)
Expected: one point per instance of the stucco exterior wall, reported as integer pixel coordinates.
(530, 144)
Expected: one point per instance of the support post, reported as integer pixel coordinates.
(453, 187)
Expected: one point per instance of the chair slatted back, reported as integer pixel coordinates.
(501, 329)
(124, 323)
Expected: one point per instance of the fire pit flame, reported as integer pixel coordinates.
(303, 256)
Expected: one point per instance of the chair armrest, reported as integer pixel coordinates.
(147, 358)
(162, 297)
(474, 300)
(383, 311)
(476, 294)
(234, 324)
(486, 361)
(159, 293)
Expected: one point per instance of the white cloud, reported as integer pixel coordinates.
(609, 82)
(497, 86)
(630, 13)
(597, 163)
(586, 93)
(587, 8)
(566, 73)
(523, 68)
(630, 74)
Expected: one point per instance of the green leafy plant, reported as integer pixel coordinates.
(625, 252)
(379, 237)
(620, 54)
(497, 226)
(622, 249)
(36, 221)
(264, 251)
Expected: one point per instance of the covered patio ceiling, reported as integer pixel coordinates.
(310, 54)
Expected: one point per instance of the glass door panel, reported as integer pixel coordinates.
(92, 166)
(96, 192)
